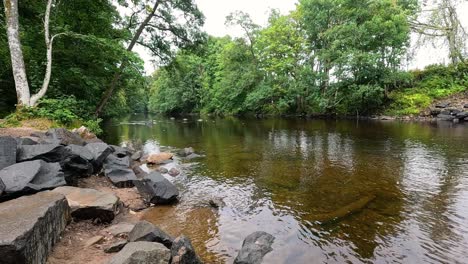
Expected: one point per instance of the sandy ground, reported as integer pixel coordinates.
(17, 131)
(72, 248)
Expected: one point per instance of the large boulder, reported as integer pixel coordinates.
(7, 151)
(2, 187)
(27, 141)
(46, 152)
(254, 248)
(462, 115)
(182, 252)
(30, 226)
(159, 158)
(64, 137)
(90, 203)
(120, 151)
(100, 153)
(113, 160)
(31, 177)
(145, 231)
(142, 253)
(157, 189)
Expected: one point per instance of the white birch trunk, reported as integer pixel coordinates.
(48, 41)
(16, 54)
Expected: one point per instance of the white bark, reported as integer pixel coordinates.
(48, 41)
(17, 60)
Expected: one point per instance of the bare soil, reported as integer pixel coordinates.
(72, 249)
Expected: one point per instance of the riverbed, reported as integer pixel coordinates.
(283, 176)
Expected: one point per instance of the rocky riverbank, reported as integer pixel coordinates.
(68, 197)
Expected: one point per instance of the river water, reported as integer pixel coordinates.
(288, 177)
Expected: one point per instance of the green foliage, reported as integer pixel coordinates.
(66, 111)
(435, 82)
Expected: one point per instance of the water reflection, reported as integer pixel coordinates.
(279, 175)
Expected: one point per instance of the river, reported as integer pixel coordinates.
(283, 176)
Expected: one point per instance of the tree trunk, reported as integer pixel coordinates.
(17, 60)
(48, 41)
(110, 90)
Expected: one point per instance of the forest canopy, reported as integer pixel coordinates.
(325, 57)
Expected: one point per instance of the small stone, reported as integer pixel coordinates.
(442, 105)
(159, 158)
(145, 231)
(142, 253)
(93, 240)
(116, 247)
(162, 170)
(137, 155)
(174, 172)
(122, 228)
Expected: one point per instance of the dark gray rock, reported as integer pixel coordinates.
(121, 228)
(145, 231)
(116, 247)
(31, 177)
(64, 137)
(113, 161)
(216, 202)
(137, 155)
(435, 112)
(254, 248)
(445, 117)
(142, 253)
(2, 187)
(462, 115)
(465, 106)
(81, 151)
(7, 151)
(100, 153)
(185, 152)
(120, 151)
(182, 252)
(27, 141)
(442, 105)
(157, 189)
(30, 226)
(121, 177)
(46, 152)
(454, 112)
(90, 204)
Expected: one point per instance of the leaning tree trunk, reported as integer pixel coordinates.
(48, 41)
(17, 60)
(115, 80)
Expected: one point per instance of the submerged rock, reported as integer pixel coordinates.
(344, 211)
(142, 253)
(185, 152)
(159, 158)
(90, 203)
(445, 117)
(31, 177)
(254, 248)
(157, 189)
(174, 172)
(183, 252)
(145, 231)
(64, 137)
(7, 151)
(30, 226)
